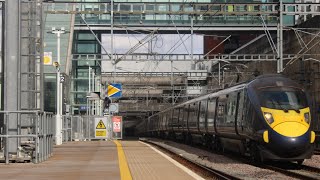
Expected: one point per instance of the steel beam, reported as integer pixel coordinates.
(185, 57)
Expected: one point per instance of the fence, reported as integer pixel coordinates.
(83, 128)
(33, 136)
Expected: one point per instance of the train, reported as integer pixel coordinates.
(267, 118)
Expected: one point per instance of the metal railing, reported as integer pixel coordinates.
(67, 128)
(35, 139)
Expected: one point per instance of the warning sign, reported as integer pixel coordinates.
(100, 127)
(116, 122)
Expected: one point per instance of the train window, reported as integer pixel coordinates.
(185, 115)
(241, 108)
(222, 105)
(180, 119)
(211, 114)
(193, 115)
(175, 116)
(231, 109)
(202, 113)
(285, 98)
(164, 118)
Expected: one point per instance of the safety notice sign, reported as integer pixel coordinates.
(117, 120)
(100, 128)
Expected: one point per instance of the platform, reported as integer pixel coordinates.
(112, 160)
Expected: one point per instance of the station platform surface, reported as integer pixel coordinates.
(108, 160)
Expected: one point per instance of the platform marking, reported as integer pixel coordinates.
(123, 165)
(185, 169)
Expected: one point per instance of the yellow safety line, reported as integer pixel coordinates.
(123, 165)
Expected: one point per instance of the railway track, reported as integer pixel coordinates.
(304, 173)
(198, 168)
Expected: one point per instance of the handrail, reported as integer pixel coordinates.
(42, 134)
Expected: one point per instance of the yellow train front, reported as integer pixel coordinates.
(282, 120)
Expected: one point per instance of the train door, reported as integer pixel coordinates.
(163, 121)
(170, 120)
(180, 119)
(203, 115)
(221, 109)
(211, 114)
(185, 118)
(241, 109)
(175, 116)
(193, 117)
(230, 114)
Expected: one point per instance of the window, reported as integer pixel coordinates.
(211, 114)
(284, 98)
(202, 114)
(221, 109)
(193, 115)
(231, 109)
(241, 108)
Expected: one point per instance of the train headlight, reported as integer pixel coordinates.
(307, 117)
(268, 117)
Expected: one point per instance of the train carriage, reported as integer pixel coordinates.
(269, 118)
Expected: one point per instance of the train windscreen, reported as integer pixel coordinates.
(284, 98)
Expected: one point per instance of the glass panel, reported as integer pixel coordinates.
(211, 113)
(193, 115)
(222, 104)
(202, 114)
(231, 109)
(284, 99)
(86, 48)
(240, 108)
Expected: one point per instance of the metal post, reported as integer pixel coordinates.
(87, 114)
(7, 139)
(172, 89)
(111, 51)
(58, 114)
(219, 75)
(89, 80)
(280, 39)
(58, 137)
(193, 64)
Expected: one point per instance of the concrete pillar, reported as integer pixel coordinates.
(11, 67)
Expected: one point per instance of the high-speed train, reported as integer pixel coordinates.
(267, 118)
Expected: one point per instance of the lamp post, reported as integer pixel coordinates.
(58, 137)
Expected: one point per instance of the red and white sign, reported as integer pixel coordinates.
(117, 120)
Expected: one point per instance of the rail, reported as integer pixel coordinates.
(42, 134)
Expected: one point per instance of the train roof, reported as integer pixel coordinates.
(272, 80)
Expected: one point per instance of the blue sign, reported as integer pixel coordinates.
(83, 108)
(114, 90)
